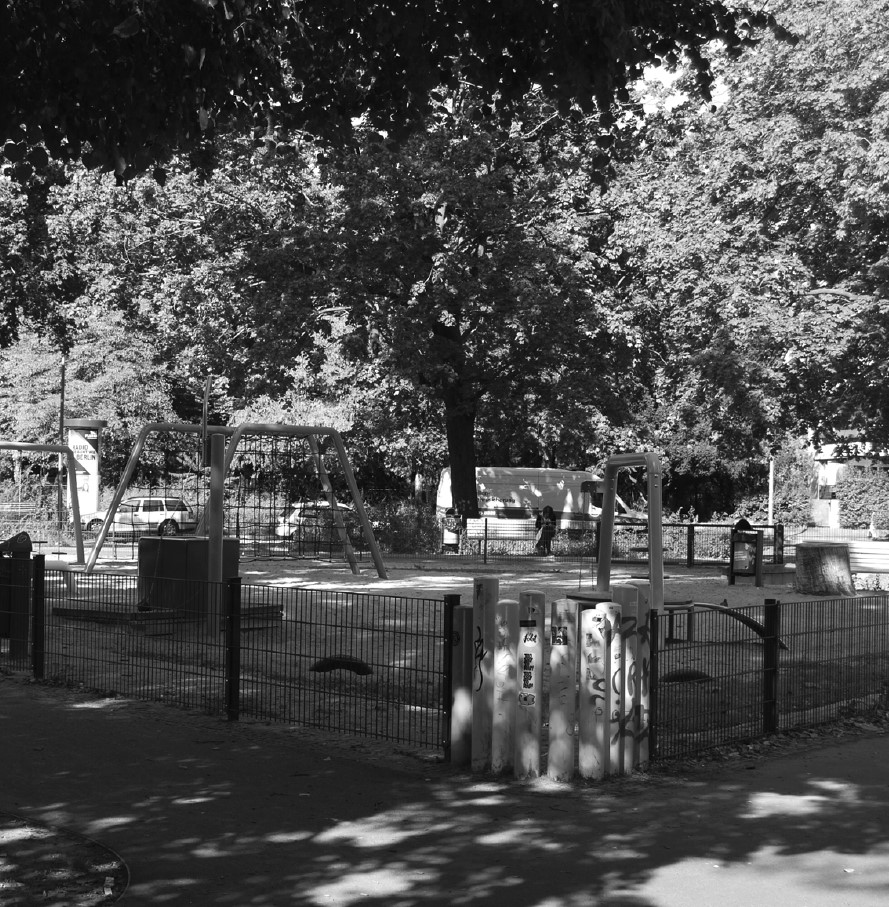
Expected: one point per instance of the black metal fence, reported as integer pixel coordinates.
(688, 544)
(379, 666)
(723, 677)
(367, 665)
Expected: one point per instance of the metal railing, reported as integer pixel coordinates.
(379, 666)
(686, 544)
(724, 678)
(366, 665)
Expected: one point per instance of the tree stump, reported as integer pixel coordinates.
(822, 568)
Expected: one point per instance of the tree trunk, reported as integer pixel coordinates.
(460, 427)
(822, 568)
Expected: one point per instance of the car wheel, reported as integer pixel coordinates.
(93, 525)
(168, 527)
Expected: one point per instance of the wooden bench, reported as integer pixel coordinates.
(868, 556)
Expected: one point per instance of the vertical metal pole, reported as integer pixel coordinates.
(485, 556)
(59, 492)
(38, 616)
(215, 505)
(779, 543)
(690, 546)
(757, 561)
(649, 716)
(731, 556)
(770, 657)
(233, 649)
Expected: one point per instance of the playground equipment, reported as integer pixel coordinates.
(68, 454)
(258, 466)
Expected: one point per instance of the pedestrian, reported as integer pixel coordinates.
(546, 529)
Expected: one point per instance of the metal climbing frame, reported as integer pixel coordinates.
(655, 524)
(234, 436)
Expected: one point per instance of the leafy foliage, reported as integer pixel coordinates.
(862, 492)
(123, 84)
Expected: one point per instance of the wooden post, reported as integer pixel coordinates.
(503, 732)
(628, 599)
(529, 705)
(822, 568)
(484, 598)
(594, 702)
(460, 751)
(562, 690)
(616, 689)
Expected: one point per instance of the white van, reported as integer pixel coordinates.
(517, 492)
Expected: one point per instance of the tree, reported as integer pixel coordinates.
(724, 221)
(122, 84)
(468, 271)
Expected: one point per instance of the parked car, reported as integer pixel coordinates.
(139, 516)
(313, 522)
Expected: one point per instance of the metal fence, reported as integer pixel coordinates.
(379, 666)
(720, 678)
(367, 665)
(688, 544)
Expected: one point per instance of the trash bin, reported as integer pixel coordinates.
(745, 555)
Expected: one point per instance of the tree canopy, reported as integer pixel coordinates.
(123, 84)
(470, 290)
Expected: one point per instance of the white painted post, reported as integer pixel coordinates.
(484, 597)
(643, 673)
(529, 707)
(616, 688)
(461, 689)
(562, 690)
(594, 700)
(628, 598)
(506, 635)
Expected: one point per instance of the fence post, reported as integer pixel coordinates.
(485, 543)
(503, 732)
(690, 546)
(563, 690)
(653, 631)
(770, 650)
(38, 616)
(594, 706)
(529, 706)
(457, 693)
(779, 543)
(233, 649)
(484, 599)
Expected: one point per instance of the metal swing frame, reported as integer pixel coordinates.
(234, 435)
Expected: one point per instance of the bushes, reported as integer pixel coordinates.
(404, 527)
(861, 492)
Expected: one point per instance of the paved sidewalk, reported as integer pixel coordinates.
(208, 813)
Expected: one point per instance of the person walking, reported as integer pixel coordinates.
(546, 529)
